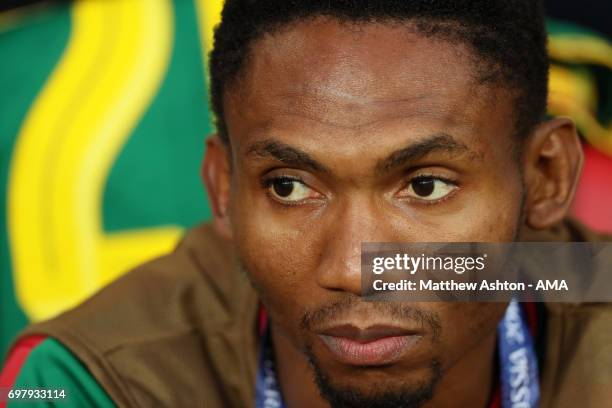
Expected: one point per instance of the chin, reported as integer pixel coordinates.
(375, 387)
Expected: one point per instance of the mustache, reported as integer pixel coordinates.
(312, 319)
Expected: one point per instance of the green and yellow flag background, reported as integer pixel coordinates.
(103, 115)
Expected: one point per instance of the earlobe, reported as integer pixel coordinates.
(216, 175)
(552, 161)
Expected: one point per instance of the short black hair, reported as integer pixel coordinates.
(508, 37)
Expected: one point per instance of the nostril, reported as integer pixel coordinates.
(340, 279)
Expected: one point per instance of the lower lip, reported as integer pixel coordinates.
(383, 351)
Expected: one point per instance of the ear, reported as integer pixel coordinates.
(552, 160)
(216, 175)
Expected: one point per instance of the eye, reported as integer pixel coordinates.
(429, 188)
(289, 190)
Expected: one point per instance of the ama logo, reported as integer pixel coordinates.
(552, 285)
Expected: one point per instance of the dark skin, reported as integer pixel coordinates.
(334, 130)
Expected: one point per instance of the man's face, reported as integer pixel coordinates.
(347, 134)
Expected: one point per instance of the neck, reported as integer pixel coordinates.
(467, 383)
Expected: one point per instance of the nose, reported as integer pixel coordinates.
(353, 224)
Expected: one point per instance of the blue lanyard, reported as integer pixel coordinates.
(518, 363)
(267, 393)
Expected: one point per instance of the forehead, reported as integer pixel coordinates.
(346, 79)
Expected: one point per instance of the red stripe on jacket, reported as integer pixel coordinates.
(15, 361)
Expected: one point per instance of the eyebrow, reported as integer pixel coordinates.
(286, 154)
(295, 157)
(441, 142)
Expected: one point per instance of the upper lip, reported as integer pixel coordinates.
(368, 334)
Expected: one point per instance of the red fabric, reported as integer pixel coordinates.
(15, 361)
(263, 320)
(496, 400)
(531, 312)
(594, 196)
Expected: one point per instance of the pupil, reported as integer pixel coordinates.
(283, 188)
(423, 186)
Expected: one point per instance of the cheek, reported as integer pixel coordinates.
(279, 256)
(493, 221)
(279, 245)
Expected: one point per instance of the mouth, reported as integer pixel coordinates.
(373, 346)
